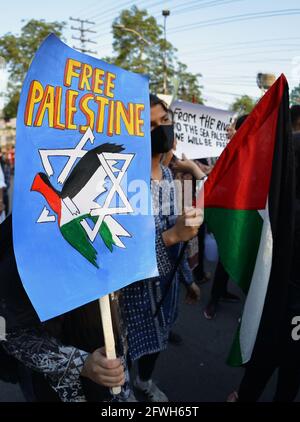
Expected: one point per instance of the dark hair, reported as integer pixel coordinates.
(240, 120)
(155, 100)
(295, 114)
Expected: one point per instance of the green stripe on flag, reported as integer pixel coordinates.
(237, 233)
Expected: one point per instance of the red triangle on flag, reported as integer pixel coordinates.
(241, 176)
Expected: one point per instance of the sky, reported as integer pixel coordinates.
(227, 41)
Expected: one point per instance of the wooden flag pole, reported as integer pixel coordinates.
(108, 333)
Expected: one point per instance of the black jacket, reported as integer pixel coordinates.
(80, 328)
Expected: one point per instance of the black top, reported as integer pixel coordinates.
(296, 258)
(15, 305)
(80, 328)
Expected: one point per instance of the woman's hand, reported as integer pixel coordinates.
(186, 227)
(188, 166)
(107, 372)
(205, 168)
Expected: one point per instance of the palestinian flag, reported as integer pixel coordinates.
(249, 208)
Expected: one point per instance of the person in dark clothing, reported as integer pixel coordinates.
(287, 357)
(295, 117)
(219, 289)
(199, 273)
(6, 171)
(219, 292)
(65, 354)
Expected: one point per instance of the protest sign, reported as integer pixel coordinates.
(83, 130)
(200, 131)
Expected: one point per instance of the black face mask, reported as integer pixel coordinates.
(162, 139)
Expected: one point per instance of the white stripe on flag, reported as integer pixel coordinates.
(258, 289)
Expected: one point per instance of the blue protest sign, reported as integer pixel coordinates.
(83, 135)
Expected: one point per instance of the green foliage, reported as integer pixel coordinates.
(142, 50)
(11, 107)
(18, 51)
(188, 88)
(243, 105)
(295, 96)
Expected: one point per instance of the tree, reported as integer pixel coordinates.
(18, 52)
(188, 86)
(243, 105)
(146, 54)
(295, 96)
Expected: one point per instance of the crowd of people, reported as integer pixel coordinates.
(6, 170)
(64, 359)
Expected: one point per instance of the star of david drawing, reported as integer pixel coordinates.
(80, 217)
